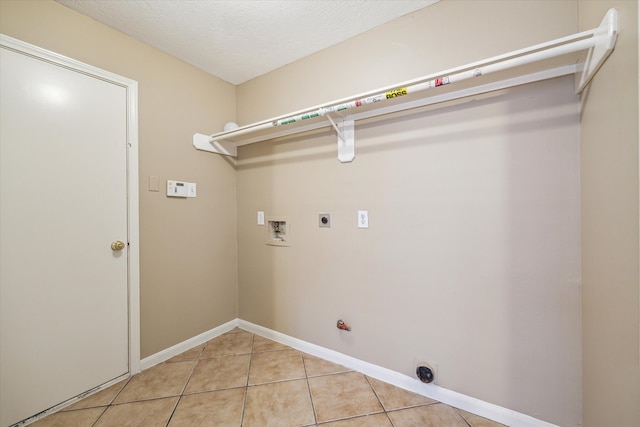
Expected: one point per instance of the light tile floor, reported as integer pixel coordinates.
(244, 380)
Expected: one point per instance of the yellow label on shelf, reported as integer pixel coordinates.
(396, 93)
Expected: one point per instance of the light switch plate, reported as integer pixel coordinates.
(153, 183)
(363, 219)
(191, 189)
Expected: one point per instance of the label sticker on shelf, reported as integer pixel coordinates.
(396, 93)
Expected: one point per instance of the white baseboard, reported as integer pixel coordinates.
(441, 394)
(175, 350)
(458, 400)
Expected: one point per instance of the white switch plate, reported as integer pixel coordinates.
(260, 218)
(153, 183)
(191, 189)
(363, 219)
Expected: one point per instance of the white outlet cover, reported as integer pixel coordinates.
(363, 219)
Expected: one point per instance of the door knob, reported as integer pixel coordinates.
(117, 245)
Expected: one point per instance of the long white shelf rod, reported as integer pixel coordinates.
(599, 43)
(468, 93)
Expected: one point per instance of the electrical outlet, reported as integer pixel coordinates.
(431, 365)
(363, 219)
(324, 220)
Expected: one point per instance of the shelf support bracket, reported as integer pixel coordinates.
(346, 139)
(605, 41)
(206, 143)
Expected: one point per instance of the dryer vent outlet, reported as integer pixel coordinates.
(424, 373)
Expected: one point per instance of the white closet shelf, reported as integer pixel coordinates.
(580, 54)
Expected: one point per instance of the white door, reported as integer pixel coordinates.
(63, 179)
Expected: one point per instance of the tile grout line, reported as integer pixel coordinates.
(101, 415)
(306, 376)
(246, 387)
(112, 400)
(463, 418)
(174, 410)
(184, 388)
(384, 408)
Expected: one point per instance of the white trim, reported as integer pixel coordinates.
(458, 400)
(134, 228)
(175, 350)
(131, 87)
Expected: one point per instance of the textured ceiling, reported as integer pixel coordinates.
(237, 40)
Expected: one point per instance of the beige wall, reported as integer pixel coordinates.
(188, 247)
(609, 181)
(445, 35)
(472, 258)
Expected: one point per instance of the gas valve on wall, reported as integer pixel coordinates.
(343, 326)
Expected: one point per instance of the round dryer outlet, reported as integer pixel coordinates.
(425, 373)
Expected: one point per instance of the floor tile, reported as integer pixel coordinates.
(478, 421)
(242, 379)
(148, 413)
(283, 404)
(214, 409)
(219, 373)
(191, 354)
(343, 396)
(79, 418)
(239, 332)
(163, 380)
(261, 344)
(316, 366)
(276, 366)
(393, 397)
(436, 415)
(228, 344)
(377, 420)
(101, 398)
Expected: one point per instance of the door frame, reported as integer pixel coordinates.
(133, 228)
